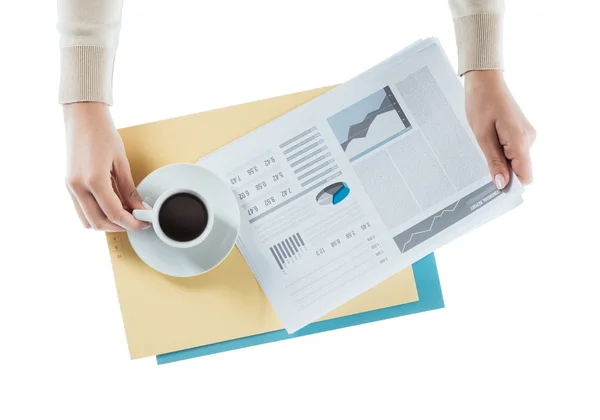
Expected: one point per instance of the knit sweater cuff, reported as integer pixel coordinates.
(86, 74)
(479, 42)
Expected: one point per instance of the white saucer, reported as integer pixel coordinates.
(218, 244)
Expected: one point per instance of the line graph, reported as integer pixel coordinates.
(369, 123)
(361, 129)
(446, 217)
(437, 216)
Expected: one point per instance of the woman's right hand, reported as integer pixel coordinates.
(98, 175)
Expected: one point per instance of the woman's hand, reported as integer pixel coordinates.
(503, 132)
(98, 174)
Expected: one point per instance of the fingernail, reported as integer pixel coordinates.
(146, 227)
(146, 205)
(500, 181)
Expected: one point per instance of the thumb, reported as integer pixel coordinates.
(496, 160)
(126, 186)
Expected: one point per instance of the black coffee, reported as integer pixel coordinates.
(183, 217)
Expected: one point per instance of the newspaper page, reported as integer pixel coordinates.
(359, 183)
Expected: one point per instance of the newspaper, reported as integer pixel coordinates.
(359, 183)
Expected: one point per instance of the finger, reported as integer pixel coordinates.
(126, 186)
(88, 206)
(516, 144)
(516, 149)
(532, 134)
(520, 159)
(80, 212)
(95, 215)
(522, 169)
(494, 154)
(111, 205)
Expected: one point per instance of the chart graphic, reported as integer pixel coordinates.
(288, 250)
(333, 194)
(369, 123)
(446, 217)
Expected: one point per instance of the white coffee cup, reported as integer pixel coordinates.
(151, 216)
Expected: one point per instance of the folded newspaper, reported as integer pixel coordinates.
(359, 183)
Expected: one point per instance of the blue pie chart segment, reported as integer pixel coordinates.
(341, 194)
(333, 194)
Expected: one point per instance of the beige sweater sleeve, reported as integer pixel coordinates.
(88, 38)
(478, 28)
(89, 35)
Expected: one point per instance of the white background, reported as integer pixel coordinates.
(519, 336)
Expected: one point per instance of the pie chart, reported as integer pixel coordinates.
(333, 194)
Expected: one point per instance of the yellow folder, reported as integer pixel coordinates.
(163, 314)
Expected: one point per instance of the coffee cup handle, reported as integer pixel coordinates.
(143, 215)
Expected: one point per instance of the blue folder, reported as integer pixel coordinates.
(430, 297)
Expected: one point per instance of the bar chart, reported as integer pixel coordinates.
(288, 251)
